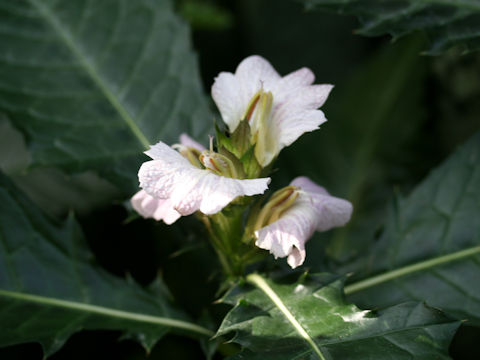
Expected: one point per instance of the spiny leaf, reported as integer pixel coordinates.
(447, 23)
(92, 83)
(311, 320)
(50, 287)
(430, 248)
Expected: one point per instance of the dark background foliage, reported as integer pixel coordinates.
(393, 116)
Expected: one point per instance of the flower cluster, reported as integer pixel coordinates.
(263, 113)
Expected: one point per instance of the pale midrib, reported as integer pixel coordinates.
(259, 282)
(100, 310)
(410, 269)
(90, 69)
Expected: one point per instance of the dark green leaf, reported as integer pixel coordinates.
(50, 287)
(311, 320)
(92, 83)
(430, 248)
(446, 22)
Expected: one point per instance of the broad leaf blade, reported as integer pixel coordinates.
(434, 236)
(333, 328)
(447, 23)
(50, 287)
(92, 83)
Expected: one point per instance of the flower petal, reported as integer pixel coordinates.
(186, 140)
(287, 236)
(158, 209)
(230, 100)
(313, 209)
(171, 176)
(332, 211)
(306, 184)
(233, 92)
(291, 83)
(293, 111)
(290, 126)
(253, 73)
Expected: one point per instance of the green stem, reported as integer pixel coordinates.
(259, 282)
(409, 269)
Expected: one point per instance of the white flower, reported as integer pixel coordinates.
(172, 177)
(314, 209)
(279, 109)
(158, 209)
(162, 209)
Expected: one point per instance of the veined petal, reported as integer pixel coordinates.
(171, 176)
(233, 92)
(314, 209)
(287, 236)
(332, 211)
(308, 185)
(255, 72)
(230, 99)
(292, 126)
(292, 82)
(158, 209)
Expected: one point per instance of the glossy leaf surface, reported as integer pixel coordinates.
(310, 319)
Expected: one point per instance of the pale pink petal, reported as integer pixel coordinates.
(186, 140)
(230, 99)
(313, 210)
(253, 73)
(233, 92)
(292, 126)
(332, 211)
(306, 98)
(160, 176)
(171, 176)
(210, 193)
(150, 207)
(290, 232)
(308, 185)
(220, 191)
(291, 83)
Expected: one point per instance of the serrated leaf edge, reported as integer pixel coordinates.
(260, 283)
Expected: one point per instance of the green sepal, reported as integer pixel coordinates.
(223, 140)
(241, 138)
(250, 164)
